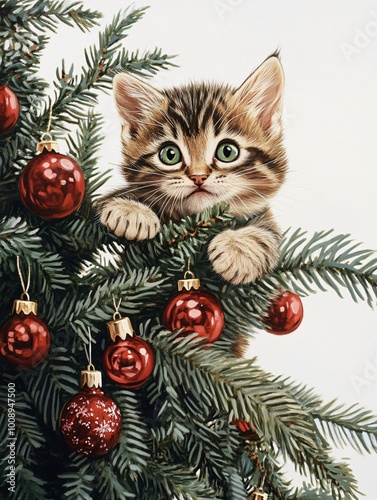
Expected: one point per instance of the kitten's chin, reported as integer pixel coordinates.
(198, 201)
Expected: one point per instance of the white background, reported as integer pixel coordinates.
(328, 50)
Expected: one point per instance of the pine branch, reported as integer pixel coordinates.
(41, 16)
(239, 388)
(326, 261)
(244, 392)
(47, 269)
(111, 485)
(145, 65)
(175, 481)
(28, 485)
(258, 462)
(235, 486)
(353, 426)
(78, 482)
(29, 433)
(45, 385)
(308, 492)
(133, 452)
(76, 92)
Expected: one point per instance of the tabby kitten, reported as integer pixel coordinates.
(188, 148)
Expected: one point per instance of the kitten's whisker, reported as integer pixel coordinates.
(268, 201)
(143, 183)
(167, 198)
(138, 171)
(151, 170)
(181, 198)
(156, 199)
(233, 195)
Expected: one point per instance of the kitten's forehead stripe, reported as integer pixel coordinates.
(195, 105)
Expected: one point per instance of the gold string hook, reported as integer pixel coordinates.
(49, 120)
(117, 314)
(89, 354)
(25, 288)
(188, 271)
(263, 480)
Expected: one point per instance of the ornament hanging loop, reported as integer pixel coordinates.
(117, 314)
(48, 135)
(25, 288)
(49, 122)
(189, 281)
(25, 296)
(47, 144)
(188, 271)
(187, 277)
(119, 327)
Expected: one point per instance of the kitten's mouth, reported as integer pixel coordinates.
(198, 190)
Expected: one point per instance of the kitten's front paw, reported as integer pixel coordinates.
(130, 219)
(244, 255)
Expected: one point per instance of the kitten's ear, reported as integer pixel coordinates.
(263, 93)
(135, 99)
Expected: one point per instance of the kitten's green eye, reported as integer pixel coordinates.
(170, 154)
(227, 152)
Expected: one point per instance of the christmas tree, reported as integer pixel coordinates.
(197, 420)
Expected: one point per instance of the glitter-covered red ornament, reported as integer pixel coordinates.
(91, 422)
(128, 360)
(284, 314)
(51, 185)
(24, 337)
(9, 109)
(194, 310)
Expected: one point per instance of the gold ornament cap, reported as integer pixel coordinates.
(24, 306)
(120, 327)
(91, 377)
(259, 495)
(49, 145)
(188, 283)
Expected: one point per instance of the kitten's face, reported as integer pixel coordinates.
(187, 148)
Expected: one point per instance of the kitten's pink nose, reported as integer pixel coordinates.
(199, 179)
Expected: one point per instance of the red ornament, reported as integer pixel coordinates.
(9, 109)
(128, 360)
(91, 422)
(51, 185)
(285, 314)
(194, 310)
(246, 432)
(24, 337)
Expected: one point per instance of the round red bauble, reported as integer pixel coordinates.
(24, 340)
(195, 310)
(91, 422)
(52, 185)
(129, 362)
(285, 314)
(9, 109)
(246, 432)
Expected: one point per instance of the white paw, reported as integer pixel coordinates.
(130, 219)
(244, 255)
